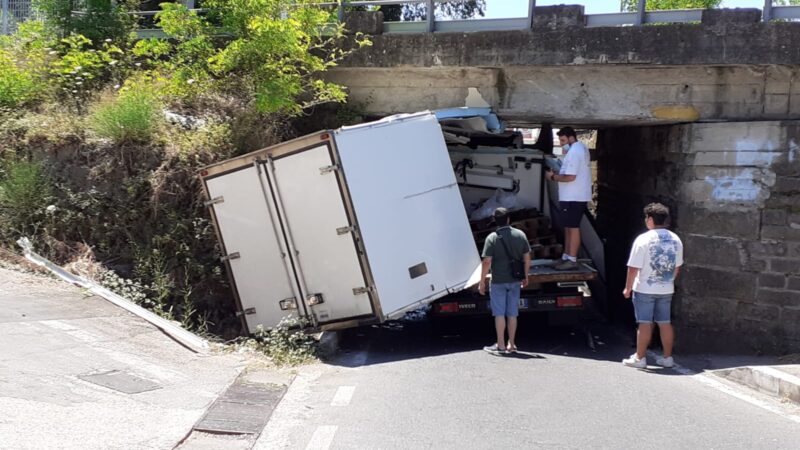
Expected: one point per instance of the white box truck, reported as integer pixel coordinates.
(345, 227)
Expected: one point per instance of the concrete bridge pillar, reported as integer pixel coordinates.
(734, 189)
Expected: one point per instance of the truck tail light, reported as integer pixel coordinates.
(569, 302)
(451, 307)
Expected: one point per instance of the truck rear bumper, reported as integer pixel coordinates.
(569, 297)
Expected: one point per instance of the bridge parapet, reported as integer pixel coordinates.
(729, 66)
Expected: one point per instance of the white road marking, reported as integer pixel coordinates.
(322, 438)
(718, 385)
(99, 344)
(343, 396)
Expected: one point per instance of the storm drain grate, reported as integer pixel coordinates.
(244, 408)
(121, 382)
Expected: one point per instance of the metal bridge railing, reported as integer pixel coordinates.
(637, 18)
(15, 11)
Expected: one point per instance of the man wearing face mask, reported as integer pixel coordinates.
(574, 191)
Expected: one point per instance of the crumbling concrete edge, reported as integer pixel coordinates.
(172, 329)
(767, 380)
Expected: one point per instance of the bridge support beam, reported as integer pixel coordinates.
(596, 95)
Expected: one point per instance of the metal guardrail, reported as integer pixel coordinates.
(636, 18)
(15, 11)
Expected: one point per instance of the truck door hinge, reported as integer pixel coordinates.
(328, 169)
(247, 312)
(230, 257)
(214, 201)
(362, 290)
(345, 230)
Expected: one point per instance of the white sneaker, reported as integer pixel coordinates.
(634, 361)
(665, 362)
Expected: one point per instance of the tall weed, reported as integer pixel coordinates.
(133, 116)
(25, 193)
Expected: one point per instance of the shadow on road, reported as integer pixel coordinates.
(426, 338)
(422, 337)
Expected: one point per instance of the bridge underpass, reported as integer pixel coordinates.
(702, 117)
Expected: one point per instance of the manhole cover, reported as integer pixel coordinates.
(121, 381)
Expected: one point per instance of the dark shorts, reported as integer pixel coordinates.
(571, 213)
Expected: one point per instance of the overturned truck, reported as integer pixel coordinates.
(353, 226)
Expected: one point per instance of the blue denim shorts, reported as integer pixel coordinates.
(504, 298)
(650, 308)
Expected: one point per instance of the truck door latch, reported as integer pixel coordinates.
(287, 304)
(361, 290)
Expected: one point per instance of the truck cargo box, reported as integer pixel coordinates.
(344, 227)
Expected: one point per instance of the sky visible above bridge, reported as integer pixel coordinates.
(517, 8)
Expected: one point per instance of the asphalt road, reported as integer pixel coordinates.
(415, 386)
(76, 372)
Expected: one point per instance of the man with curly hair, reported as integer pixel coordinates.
(653, 266)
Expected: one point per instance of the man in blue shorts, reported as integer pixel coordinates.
(654, 264)
(504, 248)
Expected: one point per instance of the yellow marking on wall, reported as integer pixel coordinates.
(678, 113)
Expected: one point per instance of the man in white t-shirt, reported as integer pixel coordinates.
(654, 264)
(574, 191)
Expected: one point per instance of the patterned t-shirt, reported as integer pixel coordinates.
(656, 253)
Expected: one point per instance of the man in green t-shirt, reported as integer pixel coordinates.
(502, 249)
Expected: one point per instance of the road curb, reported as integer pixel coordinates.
(767, 380)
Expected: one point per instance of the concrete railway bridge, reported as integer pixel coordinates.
(703, 116)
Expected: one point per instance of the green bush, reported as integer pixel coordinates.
(25, 193)
(84, 68)
(17, 85)
(133, 116)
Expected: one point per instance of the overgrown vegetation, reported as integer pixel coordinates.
(103, 137)
(655, 5)
(285, 344)
(25, 194)
(132, 115)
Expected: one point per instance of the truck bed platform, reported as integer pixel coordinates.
(545, 273)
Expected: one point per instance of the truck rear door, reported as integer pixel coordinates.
(254, 250)
(286, 235)
(319, 227)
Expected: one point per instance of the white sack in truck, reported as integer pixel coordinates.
(500, 198)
